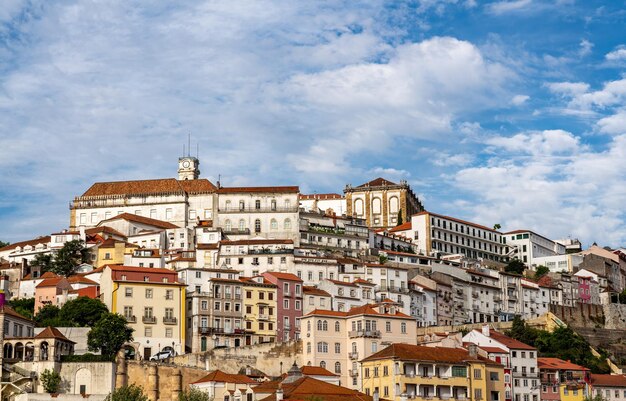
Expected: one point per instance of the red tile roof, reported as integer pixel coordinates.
(608, 380)
(307, 388)
(421, 353)
(377, 182)
(144, 187)
(53, 332)
(142, 220)
(32, 242)
(457, 220)
(236, 190)
(283, 276)
(402, 227)
(53, 282)
(508, 341)
(136, 269)
(316, 371)
(557, 364)
(338, 282)
(309, 290)
(222, 377)
(494, 350)
(77, 279)
(357, 310)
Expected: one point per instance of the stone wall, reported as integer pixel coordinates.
(271, 359)
(615, 316)
(582, 315)
(160, 381)
(60, 397)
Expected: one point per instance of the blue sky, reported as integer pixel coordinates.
(509, 112)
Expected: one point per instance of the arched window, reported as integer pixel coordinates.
(308, 325)
(337, 348)
(376, 206)
(274, 224)
(287, 204)
(257, 204)
(337, 326)
(358, 207)
(374, 346)
(393, 205)
(403, 327)
(228, 205)
(287, 224)
(325, 325)
(227, 225)
(322, 347)
(242, 225)
(257, 225)
(308, 347)
(337, 367)
(319, 325)
(323, 364)
(353, 347)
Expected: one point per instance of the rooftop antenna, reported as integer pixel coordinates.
(219, 178)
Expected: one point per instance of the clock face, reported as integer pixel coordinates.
(186, 164)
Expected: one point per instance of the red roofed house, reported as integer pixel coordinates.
(289, 304)
(225, 386)
(152, 301)
(521, 375)
(562, 380)
(47, 292)
(337, 341)
(610, 387)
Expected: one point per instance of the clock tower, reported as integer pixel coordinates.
(188, 168)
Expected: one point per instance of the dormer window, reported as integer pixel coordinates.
(146, 278)
(165, 280)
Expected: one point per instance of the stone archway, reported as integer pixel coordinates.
(82, 381)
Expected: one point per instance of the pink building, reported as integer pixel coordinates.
(584, 290)
(289, 304)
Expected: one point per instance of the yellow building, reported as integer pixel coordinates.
(260, 310)
(153, 303)
(425, 373)
(111, 252)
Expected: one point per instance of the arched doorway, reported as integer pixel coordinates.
(8, 351)
(19, 351)
(129, 353)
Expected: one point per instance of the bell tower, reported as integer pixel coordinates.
(188, 168)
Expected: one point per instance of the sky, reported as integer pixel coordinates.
(509, 112)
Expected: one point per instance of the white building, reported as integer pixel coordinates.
(526, 245)
(323, 202)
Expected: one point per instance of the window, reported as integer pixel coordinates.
(228, 225)
(169, 294)
(493, 376)
(459, 371)
(403, 328)
(285, 304)
(477, 374)
(337, 367)
(287, 224)
(148, 332)
(129, 292)
(322, 347)
(274, 224)
(385, 371)
(148, 292)
(168, 332)
(257, 225)
(337, 326)
(337, 348)
(478, 394)
(242, 205)
(388, 327)
(257, 204)
(168, 214)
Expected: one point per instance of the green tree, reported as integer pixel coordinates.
(400, 217)
(109, 334)
(541, 271)
(515, 266)
(49, 316)
(497, 227)
(522, 332)
(3, 244)
(45, 261)
(23, 306)
(82, 312)
(597, 397)
(194, 394)
(51, 380)
(69, 256)
(127, 393)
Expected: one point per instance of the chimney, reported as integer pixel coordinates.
(473, 350)
(279, 393)
(486, 330)
(376, 395)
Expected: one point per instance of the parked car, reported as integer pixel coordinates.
(159, 356)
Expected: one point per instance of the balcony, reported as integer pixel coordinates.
(364, 333)
(220, 331)
(131, 319)
(244, 231)
(263, 317)
(353, 372)
(353, 355)
(149, 319)
(170, 320)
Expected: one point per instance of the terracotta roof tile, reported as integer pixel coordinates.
(310, 290)
(222, 377)
(53, 332)
(236, 190)
(377, 182)
(401, 227)
(32, 242)
(142, 220)
(283, 276)
(608, 380)
(316, 371)
(308, 388)
(557, 364)
(508, 341)
(143, 187)
(421, 353)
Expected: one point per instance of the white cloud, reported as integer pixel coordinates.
(614, 124)
(518, 100)
(618, 54)
(444, 159)
(551, 184)
(585, 48)
(504, 7)
(568, 88)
